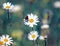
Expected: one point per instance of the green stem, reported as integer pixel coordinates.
(8, 15)
(45, 41)
(35, 43)
(32, 28)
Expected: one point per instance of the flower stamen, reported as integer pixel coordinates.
(31, 20)
(33, 36)
(1, 43)
(8, 7)
(5, 40)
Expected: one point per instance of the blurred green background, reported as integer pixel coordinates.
(16, 28)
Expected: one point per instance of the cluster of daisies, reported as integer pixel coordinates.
(31, 20)
(5, 40)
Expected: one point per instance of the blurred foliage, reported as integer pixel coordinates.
(16, 28)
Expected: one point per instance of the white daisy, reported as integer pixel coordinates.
(57, 4)
(6, 39)
(33, 35)
(32, 20)
(42, 37)
(7, 6)
(45, 26)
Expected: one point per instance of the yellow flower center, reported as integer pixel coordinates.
(1, 43)
(5, 40)
(8, 7)
(33, 36)
(31, 20)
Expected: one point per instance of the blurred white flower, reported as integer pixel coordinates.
(57, 4)
(6, 39)
(45, 36)
(33, 35)
(42, 37)
(7, 6)
(16, 8)
(45, 26)
(44, 21)
(32, 20)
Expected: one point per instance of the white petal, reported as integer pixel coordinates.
(7, 36)
(4, 4)
(8, 43)
(30, 25)
(11, 7)
(32, 15)
(36, 17)
(10, 38)
(3, 36)
(35, 24)
(8, 3)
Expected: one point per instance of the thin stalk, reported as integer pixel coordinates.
(45, 41)
(37, 43)
(34, 43)
(32, 28)
(8, 15)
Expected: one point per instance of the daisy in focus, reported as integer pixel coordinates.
(33, 35)
(32, 20)
(7, 6)
(6, 39)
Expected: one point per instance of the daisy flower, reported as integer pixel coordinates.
(33, 35)
(32, 20)
(45, 26)
(7, 6)
(6, 39)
